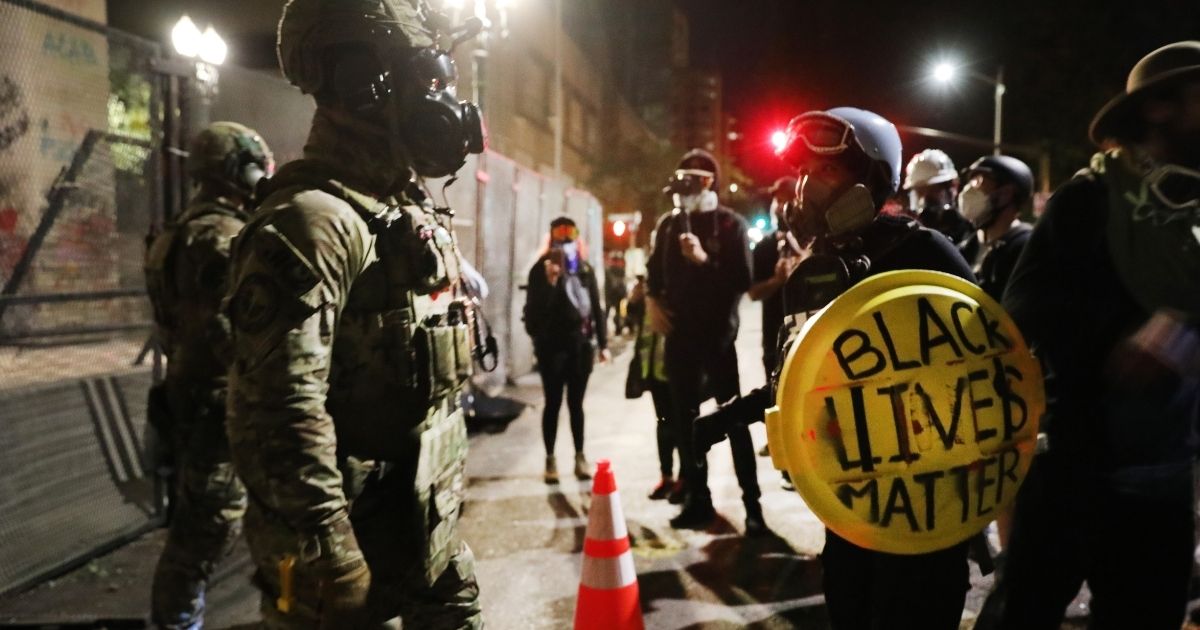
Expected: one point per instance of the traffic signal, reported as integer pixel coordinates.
(779, 140)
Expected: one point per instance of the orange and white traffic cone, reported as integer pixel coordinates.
(608, 588)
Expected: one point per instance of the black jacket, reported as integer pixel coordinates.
(550, 318)
(703, 298)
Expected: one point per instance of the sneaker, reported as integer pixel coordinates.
(678, 493)
(582, 469)
(663, 489)
(755, 524)
(695, 515)
(786, 483)
(551, 469)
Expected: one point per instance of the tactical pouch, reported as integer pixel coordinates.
(440, 487)
(443, 351)
(418, 249)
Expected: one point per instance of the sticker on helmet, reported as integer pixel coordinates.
(908, 412)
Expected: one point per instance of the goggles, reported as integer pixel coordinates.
(564, 232)
(690, 181)
(815, 133)
(1175, 187)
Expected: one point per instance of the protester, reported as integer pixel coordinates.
(774, 258)
(698, 271)
(649, 374)
(1107, 290)
(564, 316)
(932, 185)
(999, 188)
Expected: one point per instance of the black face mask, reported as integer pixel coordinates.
(437, 130)
(440, 130)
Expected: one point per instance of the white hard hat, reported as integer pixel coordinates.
(929, 167)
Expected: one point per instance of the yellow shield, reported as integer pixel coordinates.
(907, 412)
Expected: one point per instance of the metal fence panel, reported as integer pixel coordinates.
(79, 118)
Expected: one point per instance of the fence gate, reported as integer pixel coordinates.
(80, 166)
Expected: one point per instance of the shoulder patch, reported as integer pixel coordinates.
(256, 303)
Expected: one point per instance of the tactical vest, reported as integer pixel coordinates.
(401, 354)
(161, 273)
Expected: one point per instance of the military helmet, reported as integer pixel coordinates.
(229, 156)
(309, 27)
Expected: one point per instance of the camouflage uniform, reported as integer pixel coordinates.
(187, 271)
(344, 416)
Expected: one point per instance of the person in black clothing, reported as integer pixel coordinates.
(774, 258)
(698, 271)
(1107, 291)
(998, 188)
(849, 163)
(932, 185)
(564, 316)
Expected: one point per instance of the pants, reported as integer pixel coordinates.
(1134, 551)
(698, 371)
(660, 393)
(209, 503)
(872, 590)
(568, 368)
(381, 516)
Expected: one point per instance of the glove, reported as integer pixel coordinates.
(343, 596)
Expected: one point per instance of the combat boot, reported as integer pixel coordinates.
(551, 469)
(581, 467)
(697, 514)
(756, 525)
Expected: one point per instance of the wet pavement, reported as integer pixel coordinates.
(528, 535)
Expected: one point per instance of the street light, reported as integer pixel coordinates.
(190, 42)
(733, 188)
(945, 72)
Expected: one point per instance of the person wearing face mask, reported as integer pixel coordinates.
(697, 272)
(1107, 291)
(352, 338)
(774, 259)
(932, 185)
(565, 318)
(849, 161)
(998, 189)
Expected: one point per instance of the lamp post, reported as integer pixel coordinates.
(945, 72)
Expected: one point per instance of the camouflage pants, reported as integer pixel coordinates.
(381, 519)
(209, 503)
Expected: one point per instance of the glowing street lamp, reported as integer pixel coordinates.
(186, 37)
(945, 72)
(212, 48)
(733, 188)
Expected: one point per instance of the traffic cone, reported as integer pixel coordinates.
(608, 588)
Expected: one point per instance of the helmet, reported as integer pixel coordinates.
(1006, 170)
(309, 27)
(699, 159)
(230, 157)
(390, 67)
(929, 167)
(832, 132)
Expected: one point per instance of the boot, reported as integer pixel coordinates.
(582, 469)
(697, 514)
(678, 493)
(551, 469)
(755, 524)
(663, 489)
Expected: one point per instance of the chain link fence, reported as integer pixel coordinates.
(80, 112)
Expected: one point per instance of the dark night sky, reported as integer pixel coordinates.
(1062, 58)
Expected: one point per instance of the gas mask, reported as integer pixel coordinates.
(931, 207)
(1176, 188)
(438, 129)
(703, 201)
(415, 92)
(823, 215)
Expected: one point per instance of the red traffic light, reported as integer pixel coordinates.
(618, 228)
(779, 140)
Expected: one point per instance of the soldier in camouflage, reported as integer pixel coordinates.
(187, 274)
(350, 347)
